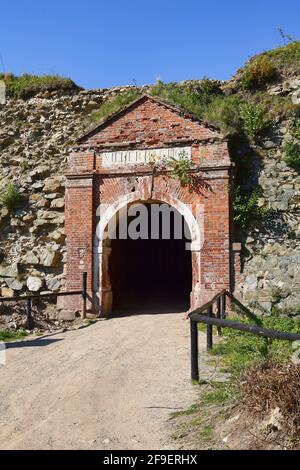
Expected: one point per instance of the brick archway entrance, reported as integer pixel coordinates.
(155, 271)
(112, 165)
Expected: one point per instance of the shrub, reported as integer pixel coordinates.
(27, 85)
(114, 105)
(169, 91)
(292, 154)
(247, 212)
(224, 112)
(193, 97)
(203, 92)
(258, 73)
(181, 168)
(265, 68)
(11, 197)
(255, 119)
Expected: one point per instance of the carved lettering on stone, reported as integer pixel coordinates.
(140, 157)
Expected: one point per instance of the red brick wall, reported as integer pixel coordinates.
(149, 124)
(79, 229)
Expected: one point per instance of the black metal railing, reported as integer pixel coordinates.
(29, 298)
(213, 313)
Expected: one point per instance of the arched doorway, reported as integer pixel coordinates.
(103, 267)
(149, 266)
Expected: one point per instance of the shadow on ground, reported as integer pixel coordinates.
(39, 342)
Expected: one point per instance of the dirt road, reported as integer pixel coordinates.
(112, 385)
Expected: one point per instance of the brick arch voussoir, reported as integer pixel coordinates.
(183, 208)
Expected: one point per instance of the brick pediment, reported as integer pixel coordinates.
(149, 122)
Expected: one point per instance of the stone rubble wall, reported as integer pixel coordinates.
(36, 135)
(270, 279)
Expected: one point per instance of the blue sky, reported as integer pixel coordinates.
(115, 42)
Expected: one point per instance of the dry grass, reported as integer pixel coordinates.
(272, 385)
(259, 72)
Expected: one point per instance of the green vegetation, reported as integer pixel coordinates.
(295, 127)
(247, 211)
(191, 97)
(244, 358)
(9, 335)
(224, 112)
(267, 67)
(245, 112)
(292, 154)
(207, 432)
(239, 350)
(291, 148)
(187, 412)
(11, 198)
(181, 168)
(220, 392)
(255, 119)
(259, 72)
(114, 105)
(276, 106)
(233, 113)
(27, 85)
(284, 57)
(204, 99)
(194, 422)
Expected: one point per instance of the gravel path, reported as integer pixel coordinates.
(112, 385)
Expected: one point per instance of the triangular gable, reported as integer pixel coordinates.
(148, 108)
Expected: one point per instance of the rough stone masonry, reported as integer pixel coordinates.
(36, 135)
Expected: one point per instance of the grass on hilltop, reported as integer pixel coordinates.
(26, 85)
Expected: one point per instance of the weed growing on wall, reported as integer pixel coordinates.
(10, 197)
(291, 151)
(295, 127)
(255, 119)
(247, 212)
(114, 105)
(181, 168)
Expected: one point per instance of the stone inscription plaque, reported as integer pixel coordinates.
(141, 157)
